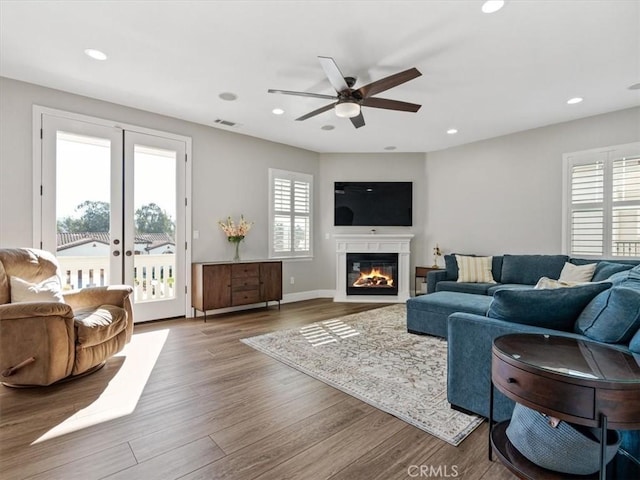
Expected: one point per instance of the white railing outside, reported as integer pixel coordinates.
(154, 277)
(626, 248)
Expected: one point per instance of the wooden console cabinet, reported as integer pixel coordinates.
(222, 285)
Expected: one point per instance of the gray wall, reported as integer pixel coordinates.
(504, 195)
(408, 167)
(230, 174)
(494, 196)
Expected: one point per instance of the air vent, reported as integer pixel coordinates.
(226, 123)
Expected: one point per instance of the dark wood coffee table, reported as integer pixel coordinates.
(579, 381)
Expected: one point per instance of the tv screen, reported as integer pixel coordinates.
(374, 204)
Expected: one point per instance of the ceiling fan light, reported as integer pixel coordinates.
(347, 109)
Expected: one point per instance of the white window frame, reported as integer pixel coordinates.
(275, 174)
(606, 155)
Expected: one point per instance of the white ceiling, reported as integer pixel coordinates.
(486, 75)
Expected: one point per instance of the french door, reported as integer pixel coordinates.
(113, 208)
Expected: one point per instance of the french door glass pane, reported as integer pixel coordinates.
(83, 166)
(155, 223)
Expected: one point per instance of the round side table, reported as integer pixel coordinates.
(579, 381)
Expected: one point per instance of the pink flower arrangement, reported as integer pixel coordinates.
(235, 233)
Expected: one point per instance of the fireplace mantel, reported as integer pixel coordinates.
(371, 243)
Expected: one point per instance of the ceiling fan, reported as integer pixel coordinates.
(348, 101)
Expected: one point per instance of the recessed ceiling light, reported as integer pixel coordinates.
(327, 127)
(452, 131)
(574, 100)
(635, 86)
(390, 147)
(492, 6)
(95, 54)
(277, 111)
(228, 96)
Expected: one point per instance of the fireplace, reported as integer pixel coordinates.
(372, 274)
(397, 244)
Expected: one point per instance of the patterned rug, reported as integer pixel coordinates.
(371, 356)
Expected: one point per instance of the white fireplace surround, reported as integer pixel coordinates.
(373, 243)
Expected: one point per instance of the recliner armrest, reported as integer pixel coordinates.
(96, 296)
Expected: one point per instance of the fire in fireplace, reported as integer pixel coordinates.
(372, 273)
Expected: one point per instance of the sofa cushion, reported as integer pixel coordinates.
(451, 265)
(613, 316)
(455, 286)
(48, 290)
(556, 308)
(474, 269)
(628, 278)
(605, 269)
(577, 273)
(450, 302)
(527, 269)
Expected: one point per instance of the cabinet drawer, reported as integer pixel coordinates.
(245, 270)
(242, 282)
(244, 297)
(553, 394)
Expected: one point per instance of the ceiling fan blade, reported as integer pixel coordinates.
(390, 104)
(334, 75)
(358, 121)
(316, 112)
(388, 82)
(303, 94)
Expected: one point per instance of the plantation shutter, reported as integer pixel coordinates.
(587, 209)
(625, 218)
(290, 213)
(603, 202)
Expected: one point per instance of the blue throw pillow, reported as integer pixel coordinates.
(612, 316)
(605, 269)
(556, 308)
(528, 269)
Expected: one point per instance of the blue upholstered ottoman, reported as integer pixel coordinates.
(427, 314)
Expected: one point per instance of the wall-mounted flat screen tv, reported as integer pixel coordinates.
(373, 204)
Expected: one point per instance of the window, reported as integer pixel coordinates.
(290, 213)
(602, 199)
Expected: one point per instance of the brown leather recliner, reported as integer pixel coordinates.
(42, 342)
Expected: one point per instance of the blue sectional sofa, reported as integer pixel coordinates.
(472, 315)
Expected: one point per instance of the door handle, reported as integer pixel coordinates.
(128, 253)
(116, 253)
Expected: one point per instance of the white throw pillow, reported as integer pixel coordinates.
(577, 273)
(546, 283)
(474, 269)
(48, 290)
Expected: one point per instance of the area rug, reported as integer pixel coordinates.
(371, 356)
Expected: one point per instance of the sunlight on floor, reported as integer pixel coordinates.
(121, 396)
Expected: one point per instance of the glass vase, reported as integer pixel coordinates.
(236, 256)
